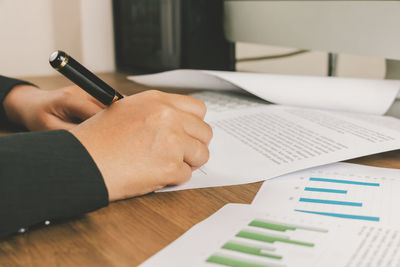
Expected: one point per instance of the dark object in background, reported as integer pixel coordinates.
(158, 35)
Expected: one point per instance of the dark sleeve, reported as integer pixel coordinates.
(46, 176)
(6, 84)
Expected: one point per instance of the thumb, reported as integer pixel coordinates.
(53, 122)
(80, 109)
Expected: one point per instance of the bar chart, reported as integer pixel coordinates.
(273, 239)
(325, 191)
(339, 191)
(240, 236)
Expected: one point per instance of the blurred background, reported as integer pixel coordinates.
(31, 30)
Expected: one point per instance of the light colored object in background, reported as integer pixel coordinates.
(343, 94)
(344, 27)
(311, 63)
(360, 66)
(97, 35)
(239, 235)
(67, 33)
(340, 192)
(37, 26)
(32, 30)
(359, 27)
(26, 37)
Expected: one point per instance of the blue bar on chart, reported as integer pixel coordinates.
(325, 190)
(330, 202)
(342, 181)
(344, 216)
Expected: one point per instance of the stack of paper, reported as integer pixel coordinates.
(329, 93)
(319, 120)
(336, 215)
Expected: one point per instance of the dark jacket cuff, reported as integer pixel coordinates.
(6, 85)
(46, 176)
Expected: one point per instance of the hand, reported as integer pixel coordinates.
(39, 110)
(146, 141)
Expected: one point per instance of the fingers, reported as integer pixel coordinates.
(196, 153)
(183, 154)
(197, 128)
(53, 122)
(75, 91)
(197, 133)
(183, 174)
(81, 109)
(188, 104)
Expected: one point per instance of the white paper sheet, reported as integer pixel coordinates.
(340, 192)
(234, 233)
(394, 109)
(227, 101)
(184, 79)
(342, 94)
(265, 141)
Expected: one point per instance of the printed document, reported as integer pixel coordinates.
(258, 141)
(314, 121)
(340, 192)
(239, 235)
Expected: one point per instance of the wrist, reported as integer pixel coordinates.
(17, 102)
(82, 134)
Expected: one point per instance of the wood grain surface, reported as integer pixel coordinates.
(128, 232)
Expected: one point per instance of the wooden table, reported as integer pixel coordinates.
(128, 232)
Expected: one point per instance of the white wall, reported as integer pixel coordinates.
(26, 37)
(98, 35)
(31, 30)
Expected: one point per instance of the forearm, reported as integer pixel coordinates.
(46, 176)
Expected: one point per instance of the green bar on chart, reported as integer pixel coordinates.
(271, 226)
(271, 239)
(229, 261)
(249, 250)
(278, 226)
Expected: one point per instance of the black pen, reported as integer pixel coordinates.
(82, 77)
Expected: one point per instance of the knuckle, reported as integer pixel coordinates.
(173, 139)
(201, 106)
(161, 114)
(207, 157)
(155, 94)
(186, 174)
(68, 91)
(74, 88)
(182, 174)
(171, 168)
(204, 154)
(167, 112)
(209, 133)
(201, 154)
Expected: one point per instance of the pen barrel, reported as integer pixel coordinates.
(85, 79)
